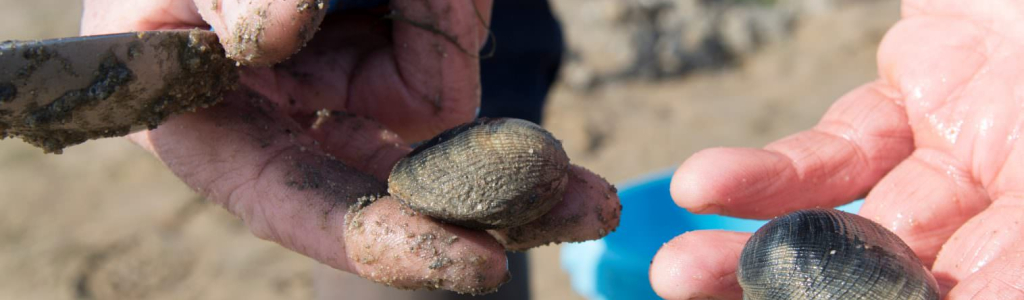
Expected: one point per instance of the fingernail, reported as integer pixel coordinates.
(709, 209)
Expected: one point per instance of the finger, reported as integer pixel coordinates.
(930, 61)
(699, 265)
(862, 136)
(355, 65)
(114, 16)
(994, 14)
(391, 244)
(260, 32)
(423, 253)
(981, 241)
(242, 156)
(924, 200)
(1001, 278)
(429, 81)
(589, 211)
(275, 178)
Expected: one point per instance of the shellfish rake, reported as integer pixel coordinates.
(61, 92)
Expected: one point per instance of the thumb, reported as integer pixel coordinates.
(263, 32)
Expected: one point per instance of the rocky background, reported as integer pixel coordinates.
(648, 40)
(646, 84)
(777, 66)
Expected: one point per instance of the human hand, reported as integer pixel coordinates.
(300, 178)
(935, 144)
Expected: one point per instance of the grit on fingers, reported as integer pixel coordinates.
(250, 157)
(262, 33)
(391, 244)
(590, 208)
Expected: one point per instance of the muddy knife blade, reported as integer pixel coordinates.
(61, 92)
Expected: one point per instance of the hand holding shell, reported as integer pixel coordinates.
(308, 187)
(499, 174)
(507, 176)
(830, 254)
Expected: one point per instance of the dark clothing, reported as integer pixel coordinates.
(517, 78)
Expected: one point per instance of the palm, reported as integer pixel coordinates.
(417, 89)
(963, 105)
(933, 143)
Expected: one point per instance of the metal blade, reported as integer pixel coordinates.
(61, 92)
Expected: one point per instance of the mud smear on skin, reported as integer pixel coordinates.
(245, 44)
(425, 252)
(340, 184)
(308, 29)
(254, 116)
(333, 183)
(337, 184)
(428, 255)
(387, 146)
(569, 112)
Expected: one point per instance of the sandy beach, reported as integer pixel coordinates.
(105, 220)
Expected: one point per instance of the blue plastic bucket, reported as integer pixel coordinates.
(616, 267)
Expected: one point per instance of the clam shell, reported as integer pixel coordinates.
(491, 173)
(829, 254)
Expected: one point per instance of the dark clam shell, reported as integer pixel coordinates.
(829, 254)
(491, 173)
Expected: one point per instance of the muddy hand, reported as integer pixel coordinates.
(294, 152)
(934, 143)
(252, 31)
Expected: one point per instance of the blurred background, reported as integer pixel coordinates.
(645, 84)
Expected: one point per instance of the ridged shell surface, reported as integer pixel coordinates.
(829, 254)
(491, 173)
